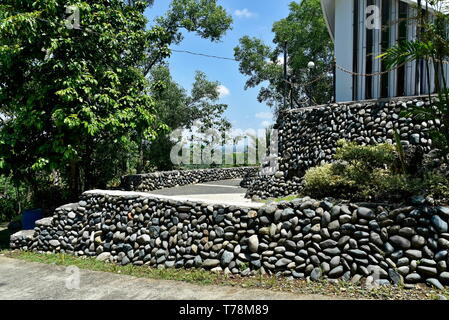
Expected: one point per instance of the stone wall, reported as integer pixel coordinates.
(308, 136)
(168, 179)
(298, 239)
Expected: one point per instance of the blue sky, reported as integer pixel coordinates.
(251, 17)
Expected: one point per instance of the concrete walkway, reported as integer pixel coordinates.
(226, 192)
(34, 281)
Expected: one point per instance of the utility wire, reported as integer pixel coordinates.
(233, 59)
(202, 54)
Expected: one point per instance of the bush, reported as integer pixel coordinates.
(12, 199)
(322, 181)
(375, 156)
(365, 173)
(7, 208)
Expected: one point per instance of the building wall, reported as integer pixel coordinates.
(358, 46)
(343, 48)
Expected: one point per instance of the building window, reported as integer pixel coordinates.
(402, 36)
(369, 58)
(385, 44)
(355, 51)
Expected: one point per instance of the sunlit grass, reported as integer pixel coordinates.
(340, 290)
(288, 198)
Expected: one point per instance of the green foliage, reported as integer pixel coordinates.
(13, 198)
(76, 101)
(179, 109)
(365, 173)
(370, 157)
(85, 87)
(260, 63)
(323, 181)
(7, 209)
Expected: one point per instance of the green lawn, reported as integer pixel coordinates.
(288, 198)
(203, 277)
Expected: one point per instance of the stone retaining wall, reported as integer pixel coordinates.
(308, 137)
(168, 179)
(298, 239)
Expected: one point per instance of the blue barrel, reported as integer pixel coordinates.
(29, 218)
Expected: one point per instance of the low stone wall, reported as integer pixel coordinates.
(272, 186)
(168, 179)
(249, 178)
(298, 239)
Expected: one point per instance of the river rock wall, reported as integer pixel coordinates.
(298, 239)
(169, 179)
(308, 137)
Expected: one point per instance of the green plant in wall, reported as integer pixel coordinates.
(400, 151)
(371, 173)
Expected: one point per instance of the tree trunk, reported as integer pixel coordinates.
(141, 162)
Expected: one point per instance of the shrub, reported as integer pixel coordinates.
(371, 173)
(375, 156)
(7, 208)
(12, 199)
(323, 180)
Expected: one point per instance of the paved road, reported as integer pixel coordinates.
(34, 281)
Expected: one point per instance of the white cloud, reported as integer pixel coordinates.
(266, 123)
(264, 115)
(245, 13)
(223, 91)
(279, 61)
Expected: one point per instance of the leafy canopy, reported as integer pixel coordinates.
(305, 33)
(66, 93)
(180, 109)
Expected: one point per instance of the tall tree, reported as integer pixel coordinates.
(179, 109)
(203, 17)
(70, 93)
(303, 33)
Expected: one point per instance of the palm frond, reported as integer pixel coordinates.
(406, 51)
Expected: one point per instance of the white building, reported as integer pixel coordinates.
(358, 41)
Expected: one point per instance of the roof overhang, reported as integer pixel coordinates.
(328, 7)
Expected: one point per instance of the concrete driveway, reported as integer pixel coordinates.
(224, 192)
(34, 281)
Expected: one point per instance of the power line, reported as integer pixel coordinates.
(203, 55)
(341, 68)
